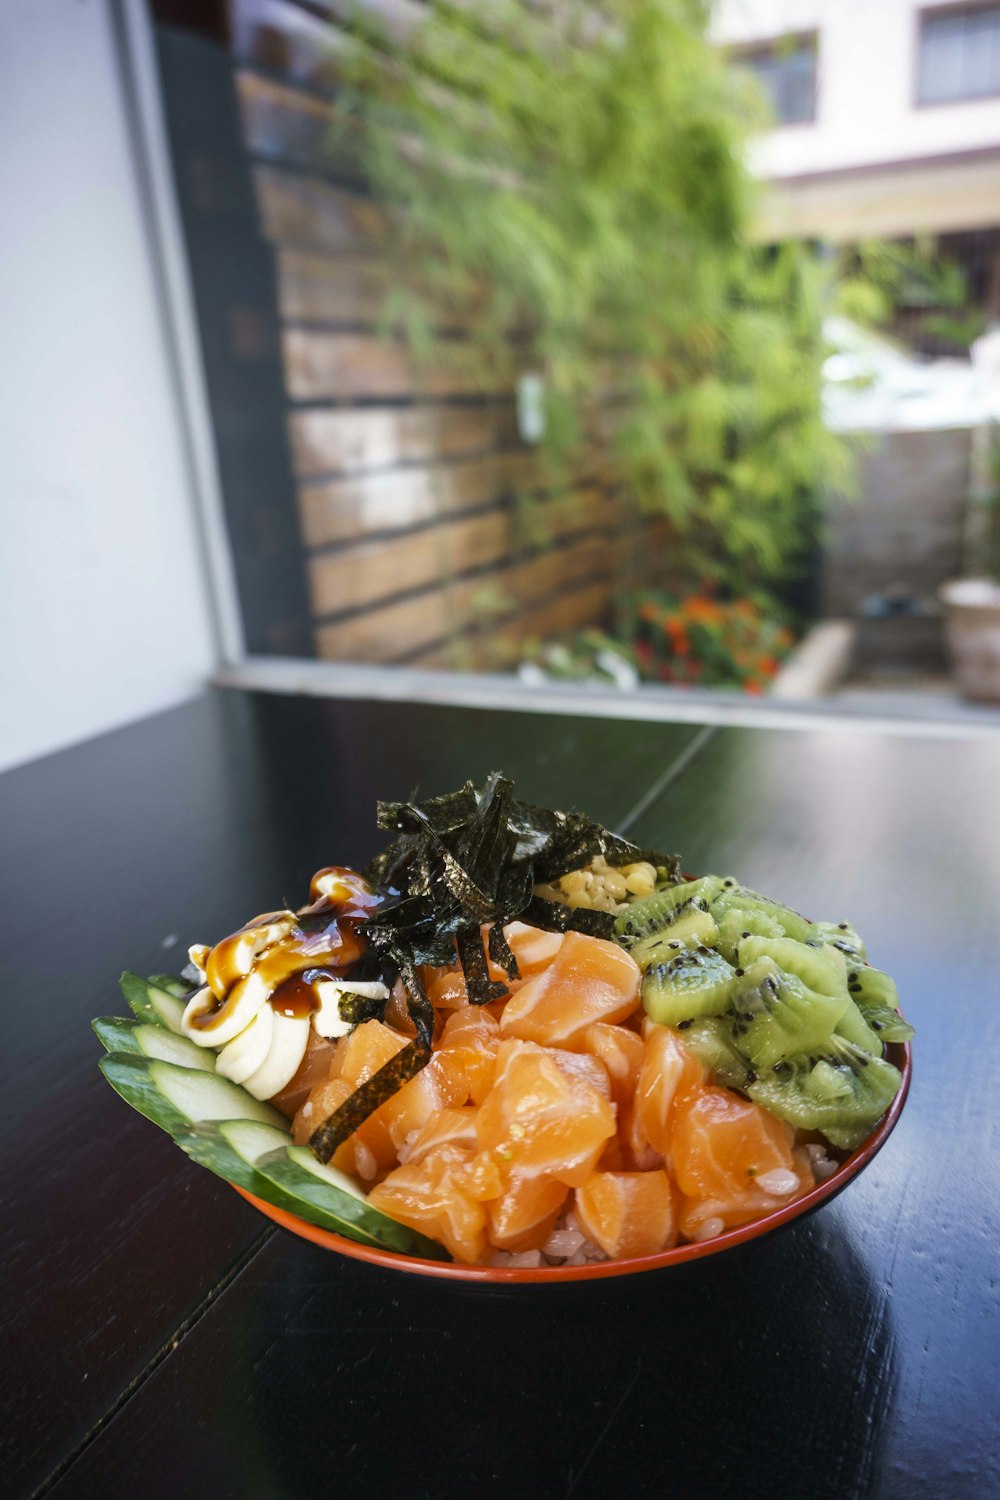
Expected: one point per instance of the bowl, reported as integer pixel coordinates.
(498, 1276)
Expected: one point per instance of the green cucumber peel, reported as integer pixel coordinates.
(128, 1034)
(176, 1097)
(209, 1145)
(150, 1002)
(324, 1189)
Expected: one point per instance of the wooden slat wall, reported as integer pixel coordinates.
(408, 508)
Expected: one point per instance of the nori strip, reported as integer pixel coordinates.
(389, 1079)
(553, 916)
(501, 954)
(365, 1100)
(482, 989)
(358, 1008)
(461, 862)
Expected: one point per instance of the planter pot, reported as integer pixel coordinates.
(972, 630)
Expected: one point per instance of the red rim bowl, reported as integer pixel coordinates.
(899, 1054)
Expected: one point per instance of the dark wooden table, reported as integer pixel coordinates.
(161, 1339)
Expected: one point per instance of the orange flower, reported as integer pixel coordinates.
(768, 665)
(703, 611)
(753, 686)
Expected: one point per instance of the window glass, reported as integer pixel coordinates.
(786, 69)
(959, 55)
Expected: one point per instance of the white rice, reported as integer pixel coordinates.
(567, 1245)
(779, 1182)
(823, 1166)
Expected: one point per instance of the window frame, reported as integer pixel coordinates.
(741, 52)
(934, 12)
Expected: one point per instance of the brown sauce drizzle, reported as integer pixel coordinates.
(323, 935)
(295, 998)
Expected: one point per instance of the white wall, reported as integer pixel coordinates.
(104, 605)
(867, 69)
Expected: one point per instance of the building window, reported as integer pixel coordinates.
(959, 54)
(787, 71)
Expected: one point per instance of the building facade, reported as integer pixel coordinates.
(887, 114)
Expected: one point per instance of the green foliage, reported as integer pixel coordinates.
(571, 178)
(877, 280)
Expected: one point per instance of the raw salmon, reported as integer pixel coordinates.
(668, 1074)
(522, 1218)
(628, 1213)
(541, 1120)
(432, 1197)
(731, 1160)
(467, 1050)
(588, 980)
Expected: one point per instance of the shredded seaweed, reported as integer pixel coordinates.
(459, 863)
(389, 1079)
(366, 1098)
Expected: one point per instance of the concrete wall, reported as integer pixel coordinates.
(903, 532)
(104, 606)
(867, 73)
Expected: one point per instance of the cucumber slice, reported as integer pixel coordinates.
(174, 1097)
(152, 1003)
(318, 1188)
(173, 986)
(229, 1148)
(122, 1034)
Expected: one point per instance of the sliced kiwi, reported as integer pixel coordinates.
(887, 1023)
(692, 926)
(840, 935)
(853, 1026)
(871, 986)
(841, 1091)
(821, 969)
(732, 896)
(739, 922)
(641, 919)
(695, 982)
(776, 1015)
(711, 1041)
